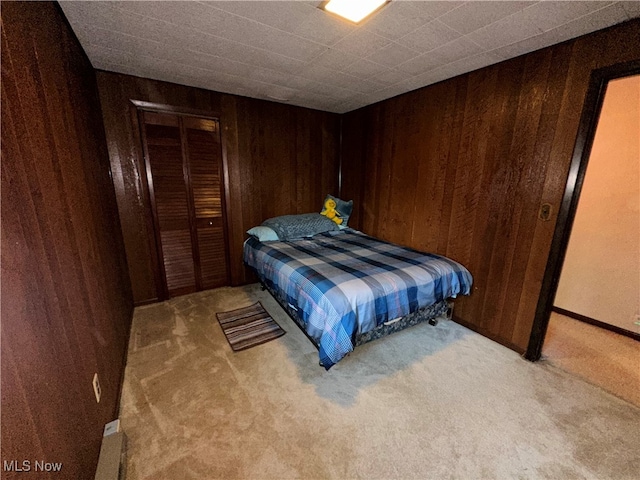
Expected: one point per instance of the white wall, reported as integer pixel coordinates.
(601, 273)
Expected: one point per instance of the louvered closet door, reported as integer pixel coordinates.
(183, 162)
(169, 193)
(205, 162)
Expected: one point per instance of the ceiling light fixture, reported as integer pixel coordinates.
(353, 10)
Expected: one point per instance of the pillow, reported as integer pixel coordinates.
(264, 234)
(292, 227)
(337, 210)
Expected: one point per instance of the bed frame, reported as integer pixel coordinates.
(426, 314)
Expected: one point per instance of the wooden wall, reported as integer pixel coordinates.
(461, 168)
(280, 159)
(66, 299)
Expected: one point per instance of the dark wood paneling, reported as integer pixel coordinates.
(461, 168)
(66, 298)
(278, 159)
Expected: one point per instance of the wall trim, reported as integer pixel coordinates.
(597, 323)
(486, 333)
(163, 108)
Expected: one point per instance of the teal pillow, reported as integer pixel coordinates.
(337, 210)
(264, 234)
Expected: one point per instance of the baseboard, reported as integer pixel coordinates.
(148, 301)
(597, 323)
(489, 335)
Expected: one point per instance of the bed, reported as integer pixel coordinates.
(344, 288)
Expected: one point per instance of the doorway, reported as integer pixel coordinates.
(592, 331)
(600, 279)
(584, 142)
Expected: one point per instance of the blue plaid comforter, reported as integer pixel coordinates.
(346, 283)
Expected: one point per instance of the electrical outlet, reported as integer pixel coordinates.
(96, 387)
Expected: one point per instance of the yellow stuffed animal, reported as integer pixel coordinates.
(330, 211)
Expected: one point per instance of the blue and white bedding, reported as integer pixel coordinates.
(345, 283)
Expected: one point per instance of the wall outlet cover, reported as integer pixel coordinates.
(111, 427)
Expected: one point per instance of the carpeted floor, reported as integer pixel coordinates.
(428, 402)
(601, 357)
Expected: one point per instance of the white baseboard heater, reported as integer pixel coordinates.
(112, 464)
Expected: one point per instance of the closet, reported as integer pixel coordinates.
(183, 162)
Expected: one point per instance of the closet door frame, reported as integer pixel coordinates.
(138, 108)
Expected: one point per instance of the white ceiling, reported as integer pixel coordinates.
(293, 52)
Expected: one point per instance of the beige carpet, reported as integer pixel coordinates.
(601, 357)
(428, 402)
